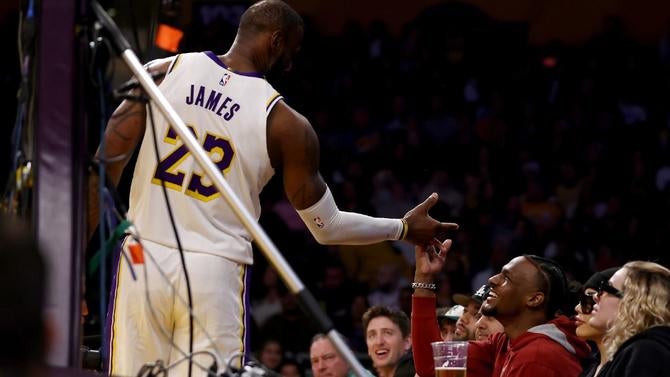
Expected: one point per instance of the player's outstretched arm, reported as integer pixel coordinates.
(294, 150)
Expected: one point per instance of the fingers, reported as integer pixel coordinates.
(430, 259)
(441, 248)
(446, 246)
(428, 203)
(444, 230)
(436, 246)
(449, 226)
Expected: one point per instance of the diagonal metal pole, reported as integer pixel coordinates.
(266, 245)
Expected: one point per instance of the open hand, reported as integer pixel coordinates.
(423, 229)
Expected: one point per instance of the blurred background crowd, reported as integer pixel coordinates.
(562, 151)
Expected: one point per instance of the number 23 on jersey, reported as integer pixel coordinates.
(220, 151)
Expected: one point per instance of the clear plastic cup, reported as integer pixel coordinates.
(450, 358)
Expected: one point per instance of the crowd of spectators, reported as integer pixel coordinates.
(560, 151)
(555, 150)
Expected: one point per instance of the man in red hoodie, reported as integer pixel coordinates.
(526, 297)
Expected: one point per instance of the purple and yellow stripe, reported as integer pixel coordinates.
(174, 64)
(108, 336)
(245, 311)
(272, 101)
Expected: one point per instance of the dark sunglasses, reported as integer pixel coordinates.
(605, 286)
(586, 301)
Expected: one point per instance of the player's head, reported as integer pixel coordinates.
(276, 32)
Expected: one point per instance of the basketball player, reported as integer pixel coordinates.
(249, 132)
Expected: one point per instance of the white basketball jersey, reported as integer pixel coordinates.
(227, 112)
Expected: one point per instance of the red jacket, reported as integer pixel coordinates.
(548, 350)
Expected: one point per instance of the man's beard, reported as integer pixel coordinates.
(489, 311)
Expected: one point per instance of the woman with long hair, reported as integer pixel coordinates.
(584, 330)
(638, 340)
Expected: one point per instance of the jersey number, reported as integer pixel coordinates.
(220, 151)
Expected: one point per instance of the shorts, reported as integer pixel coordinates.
(147, 321)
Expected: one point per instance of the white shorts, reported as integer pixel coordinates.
(136, 336)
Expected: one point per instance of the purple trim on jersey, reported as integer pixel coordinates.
(273, 101)
(247, 314)
(221, 64)
(107, 335)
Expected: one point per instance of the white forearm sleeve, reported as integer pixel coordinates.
(331, 226)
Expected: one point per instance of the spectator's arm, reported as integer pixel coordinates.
(424, 331)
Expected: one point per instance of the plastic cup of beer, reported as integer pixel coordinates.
(450, 358)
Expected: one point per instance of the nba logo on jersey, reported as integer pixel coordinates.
(224, 79)
(318, 222)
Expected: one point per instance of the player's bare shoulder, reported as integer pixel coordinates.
(283, 115)
(288, 129)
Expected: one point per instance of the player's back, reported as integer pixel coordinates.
(227, 112)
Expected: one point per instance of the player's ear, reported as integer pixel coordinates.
(277, 40)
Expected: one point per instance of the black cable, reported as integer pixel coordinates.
(179, 247)
(97, 80)
(15, 190)
(211, 371)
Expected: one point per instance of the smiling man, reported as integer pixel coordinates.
(465, 326)
(527, 298)
(485, 326)
(388, 339)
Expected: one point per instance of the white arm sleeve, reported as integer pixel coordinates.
(331, 226)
